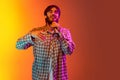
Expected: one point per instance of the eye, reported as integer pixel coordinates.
(56, 11)
(50, 11)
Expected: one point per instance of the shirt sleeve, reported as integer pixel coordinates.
(24, 42)
(67, 44)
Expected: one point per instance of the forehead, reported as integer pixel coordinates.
(53, 9)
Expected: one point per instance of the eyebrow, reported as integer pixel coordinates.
(55, 10)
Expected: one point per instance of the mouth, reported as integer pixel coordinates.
(53, 16)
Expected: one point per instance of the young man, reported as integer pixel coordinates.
(51, 43)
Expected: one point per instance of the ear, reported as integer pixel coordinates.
(45, 17)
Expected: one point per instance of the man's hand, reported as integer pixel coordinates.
(55, 25)
(37, 34)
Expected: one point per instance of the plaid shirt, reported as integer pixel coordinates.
(49, 53)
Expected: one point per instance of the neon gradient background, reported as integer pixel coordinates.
(90, 23)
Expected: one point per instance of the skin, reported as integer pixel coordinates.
(53, 17)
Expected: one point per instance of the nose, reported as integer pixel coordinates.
(53, 13)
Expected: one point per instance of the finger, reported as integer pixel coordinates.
(41, 36)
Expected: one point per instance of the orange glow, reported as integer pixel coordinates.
(17, 17)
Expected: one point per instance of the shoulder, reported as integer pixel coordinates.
(64, 30)
(37, 29)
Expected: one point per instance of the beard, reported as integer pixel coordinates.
(49, 21)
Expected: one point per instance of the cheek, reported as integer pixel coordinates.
(57, 15)
(48, 14)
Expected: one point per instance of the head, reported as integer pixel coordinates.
(52, 14)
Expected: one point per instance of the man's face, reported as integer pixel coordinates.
(52, 15)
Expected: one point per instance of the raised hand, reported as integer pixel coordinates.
(36, 33)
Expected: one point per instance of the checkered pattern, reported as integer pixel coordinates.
(50, 52)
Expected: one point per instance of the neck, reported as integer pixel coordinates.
(48, 27)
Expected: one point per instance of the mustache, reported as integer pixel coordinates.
(47, 19)
(53, 16)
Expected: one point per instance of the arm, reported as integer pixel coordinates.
(24, 42)
(67, 45)
(64, 36)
